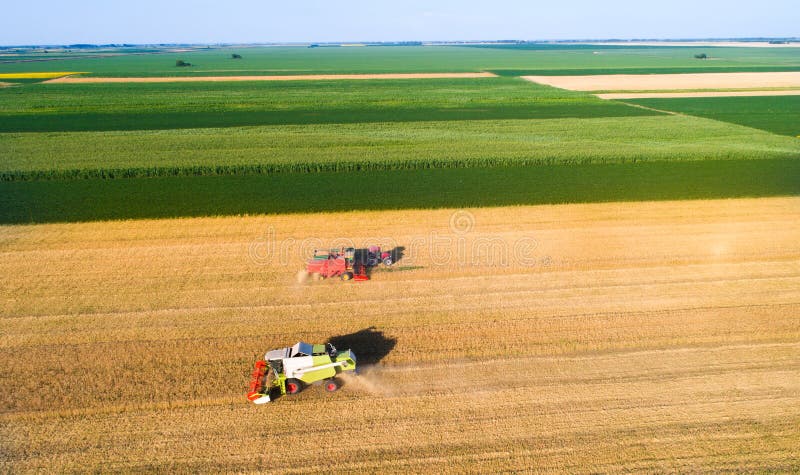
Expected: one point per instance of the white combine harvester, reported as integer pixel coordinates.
(291, 369)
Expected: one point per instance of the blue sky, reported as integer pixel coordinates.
(204, 21)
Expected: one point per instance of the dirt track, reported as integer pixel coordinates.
(656, 337)
(303, 77)
(647, 95)
(651, 82)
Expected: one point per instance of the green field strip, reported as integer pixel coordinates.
(776, 114)
(105, 107)
(413, 145)
(410, 59)
(134, 198)
(187, 120)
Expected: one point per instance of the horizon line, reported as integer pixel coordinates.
(749, 39)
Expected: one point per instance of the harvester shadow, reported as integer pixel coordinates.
(369, 345)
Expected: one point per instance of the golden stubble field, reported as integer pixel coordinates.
(632, 82)
(603, 337)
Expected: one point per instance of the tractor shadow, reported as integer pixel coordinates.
(369, 345)
(397, 253)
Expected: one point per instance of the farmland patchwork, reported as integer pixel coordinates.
(581, 284)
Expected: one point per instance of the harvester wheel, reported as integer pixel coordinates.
(331, 385)
(387, 261)
(347, 276)
(293, 386)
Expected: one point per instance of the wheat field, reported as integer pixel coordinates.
(577, 338)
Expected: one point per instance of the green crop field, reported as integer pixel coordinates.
(414, 145)
(90, 151)
(180, 196)
(564, 59)
(777, 114)
(142, 106)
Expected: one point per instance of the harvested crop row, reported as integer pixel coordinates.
(559, 414)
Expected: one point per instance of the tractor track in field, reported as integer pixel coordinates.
(639, 106)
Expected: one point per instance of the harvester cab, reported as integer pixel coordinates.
(289, 370)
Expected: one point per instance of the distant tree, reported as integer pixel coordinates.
(181, 63)
(701, 56)
(236, 56)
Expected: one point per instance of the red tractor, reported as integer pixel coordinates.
(375, 257)
(347, 263)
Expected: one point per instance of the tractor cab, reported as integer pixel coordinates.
(375, 256)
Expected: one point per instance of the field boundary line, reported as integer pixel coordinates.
(639, 106)
(302, 77)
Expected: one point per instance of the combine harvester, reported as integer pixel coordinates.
(347, 263)
(291, 369)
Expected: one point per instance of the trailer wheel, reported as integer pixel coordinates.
(293, 386)
(347, 276)
(331, 385)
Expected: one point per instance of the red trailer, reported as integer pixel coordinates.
(335, 263)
